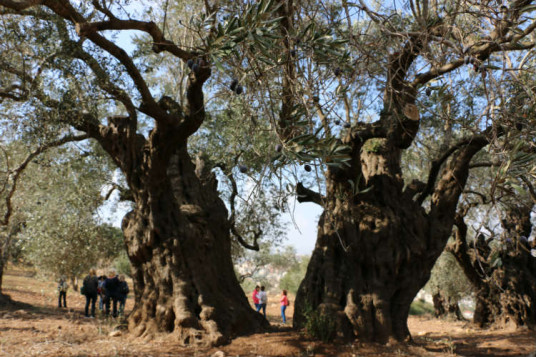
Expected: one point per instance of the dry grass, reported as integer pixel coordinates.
(36, 327)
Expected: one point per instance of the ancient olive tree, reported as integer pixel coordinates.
(77, 74)
(498, 254)
(353, 93)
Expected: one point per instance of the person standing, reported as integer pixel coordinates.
(100, 291)
(255, 298)
(263, 300)
(123, 292)
(90, 290)
(111, 293)
(62, 291)
(284, 303)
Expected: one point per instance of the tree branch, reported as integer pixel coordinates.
(448, 189)
(15, 174)
(478, 140)
(362, 132)
(21, 4)
(500, 41)
(160, 43)
(232, 219)
(307, 195)
(460, 251)
(532, 191)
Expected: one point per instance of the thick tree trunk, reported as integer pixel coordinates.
(445, 307)
(179, 245)
(2, 265)
(504, 276)
(510, 294)
(376, 244)
(367, 267)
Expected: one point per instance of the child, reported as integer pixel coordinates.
(263, 300)
(100, 291)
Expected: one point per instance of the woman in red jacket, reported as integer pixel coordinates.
(284, 304)
(256, 298)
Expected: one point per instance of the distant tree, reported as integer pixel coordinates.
(122, 264)
(62, 233)
(293, 277)
(254, 266)
(16, 200)
(448, 285)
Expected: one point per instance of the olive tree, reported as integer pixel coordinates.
(78, 73)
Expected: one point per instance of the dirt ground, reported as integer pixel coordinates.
(35, 326)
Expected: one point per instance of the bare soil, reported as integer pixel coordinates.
(33, 325)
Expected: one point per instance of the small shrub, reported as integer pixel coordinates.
(421, 308)
(318, 325)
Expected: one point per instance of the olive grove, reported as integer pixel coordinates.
(335, 102)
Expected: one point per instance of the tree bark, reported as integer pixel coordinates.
(375, 249)
(445, 307)
(504, 277)
(368, 264)
(2, 265)
(179, 245)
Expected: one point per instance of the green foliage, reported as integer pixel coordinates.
(58, 199)
(294, 276)
(318, 325)
(122, 264)
(448, 277)
(373, 145)
(419, 307)
(265, 266)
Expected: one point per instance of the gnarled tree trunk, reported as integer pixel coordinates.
(446, 307)
(376, 243)
(375, 250)
(362, 271)
(179, 245)
(504, 276)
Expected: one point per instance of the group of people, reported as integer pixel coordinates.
(260, 299)
(112, 291)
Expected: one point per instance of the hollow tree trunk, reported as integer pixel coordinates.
(179, 245)
(510, 294)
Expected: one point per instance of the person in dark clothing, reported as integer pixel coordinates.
(111, 293)
(90, 287)
(123, 292)
(62, 290)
